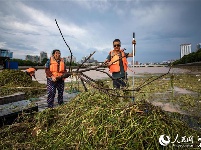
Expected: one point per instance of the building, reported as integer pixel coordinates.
(198, 46)
(5, 55)
(42, 56)
(32, 58)
(135, 62)
(90, 60)
(185, 49)
(37, 59)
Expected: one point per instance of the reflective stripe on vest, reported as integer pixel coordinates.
(55, 68)
(115, 66)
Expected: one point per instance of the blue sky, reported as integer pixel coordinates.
(28, 27)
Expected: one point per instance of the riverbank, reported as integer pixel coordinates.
(192, 67)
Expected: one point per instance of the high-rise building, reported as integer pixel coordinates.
(32, 58)
(185, 49)
(42, 56)
(37, 59)
(6, 53)
(198, 46)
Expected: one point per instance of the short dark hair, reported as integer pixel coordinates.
(55, 50)
(117, 40)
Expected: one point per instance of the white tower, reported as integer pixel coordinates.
(185, 49)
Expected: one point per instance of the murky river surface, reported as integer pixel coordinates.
(40, 73)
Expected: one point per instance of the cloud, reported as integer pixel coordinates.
(2, 44)
(40, 34)
(160, 26)
(99, 5)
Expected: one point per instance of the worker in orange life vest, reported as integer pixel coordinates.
(31, 72)
(118, 68)
(54, 68)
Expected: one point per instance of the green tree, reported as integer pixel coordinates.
(190, 58)
(24, 62)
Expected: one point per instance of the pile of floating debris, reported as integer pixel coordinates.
(16, 90)
(96, 121)
(12, 81)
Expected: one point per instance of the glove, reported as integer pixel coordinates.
(134, 42)
(65, 75)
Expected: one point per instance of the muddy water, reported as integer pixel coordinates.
(40, 73)
(163, 99)
(173, 110)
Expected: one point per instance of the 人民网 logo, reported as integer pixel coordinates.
(164, 142)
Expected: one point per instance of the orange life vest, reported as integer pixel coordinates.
(115, 66)
(57, 69)
(31, 71)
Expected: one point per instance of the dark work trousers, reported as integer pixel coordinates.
(119, 82)
(51, 91)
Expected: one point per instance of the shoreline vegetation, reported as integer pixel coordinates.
(95, 120)
(194, 64)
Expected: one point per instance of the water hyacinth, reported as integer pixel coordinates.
(95, 120)
(12, 81)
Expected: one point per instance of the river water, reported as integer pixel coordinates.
(40, 73)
